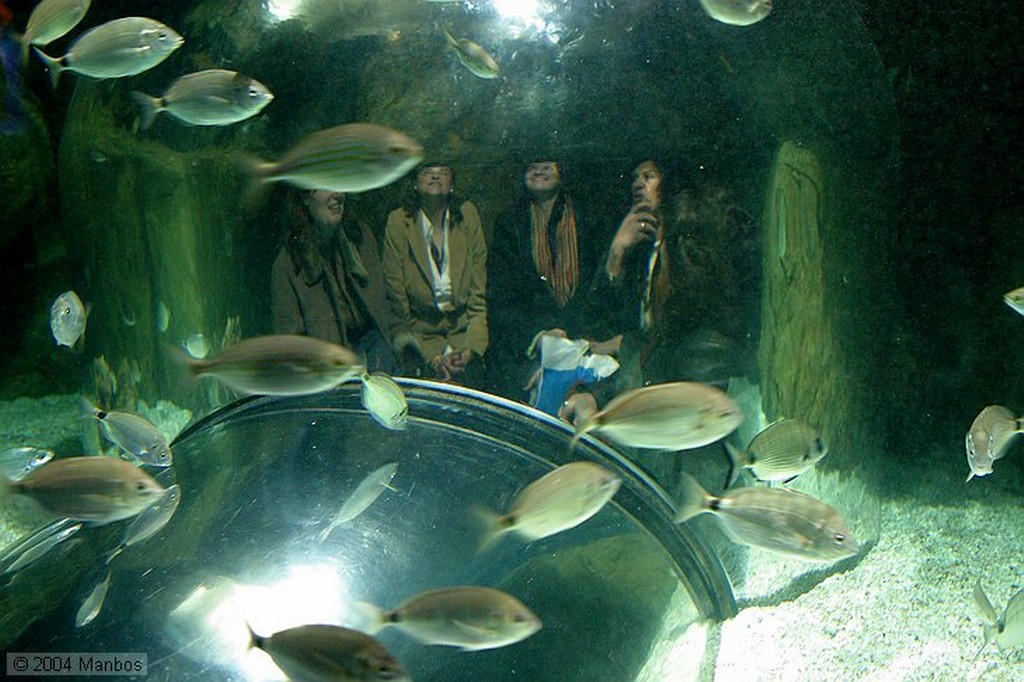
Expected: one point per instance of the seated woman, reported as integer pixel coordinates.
(675, 281)
(540, 261)
(435, 270)
(327, 280)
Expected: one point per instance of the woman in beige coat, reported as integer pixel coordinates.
(435, 273)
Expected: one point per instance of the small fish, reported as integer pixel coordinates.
(150, 520)
(355, 157)
(473, 618)
(163, 317)
(737, 12)
(777, 519)
(560, 499)
(385, 401)
(52, 19)
(989, 438)
(195, 346)
(781, 452)
(368, 490)
(17, 463)
(1015, 299)
(96, 489)
(322, 653)
(133, 434)
(118, 48)
(673, 416)
(474, 57)
(93, 604)
(214, 97)
(67, 319)
(1007, 631)
(40, 544)
(280, 365)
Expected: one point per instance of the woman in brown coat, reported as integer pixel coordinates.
(327, 280)
(435, 271)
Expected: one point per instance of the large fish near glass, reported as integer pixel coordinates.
(214, 97)
(777, 519)
(355, 157)
(780, 452)
(118, 48)
(672, 416)
(52, 19)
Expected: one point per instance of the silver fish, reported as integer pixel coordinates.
(1015, 299)
(214, 97)
(1007, 630)
(385, 401)
(97, 489)
(133, 434)
(52, 19)
(989, 438)
(163, 317)
(67, 319)
(322, 653)
(195, 346)
(737, 12)
(17, 463)
(368, 490)
(474, 57)
(473, 618)
(355, 157)
(118, 48)
(40, 544)
(560, 499)
(777, 519)
(280, 365)
(780, 452)
(93, 604)
(672, 416)
(150, 520)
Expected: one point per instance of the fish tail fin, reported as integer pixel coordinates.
(583, 427)
(738, 459)
(452, 40)
(694, 499)
(494, 527)
(89, 410)
(255, 641)
(983, 605)
(259, 172)
(149, 107)
(326, 532)
(53, 65)
(373, 618)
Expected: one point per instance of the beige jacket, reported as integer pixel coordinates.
(410, 291)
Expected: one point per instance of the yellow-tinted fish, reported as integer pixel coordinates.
(355, 157)
(214, 97)
(1015, 299)
(52, 19)
(385, 401)
(781, 452)
(118, 48)
(97, 489)
(474, 57)
(368, 490)
(280, 365)
(473, 618)
(673, 416)
(777, 519)
(330, 653)
(989, 438)
(737, 12)
(560, 499)
(1007, 630)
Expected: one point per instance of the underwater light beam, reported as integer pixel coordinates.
(283, 9)
(526, 12)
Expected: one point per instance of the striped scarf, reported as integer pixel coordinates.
(560, 271)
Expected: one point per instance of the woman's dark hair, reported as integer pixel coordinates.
(300, 232)
(411, 198)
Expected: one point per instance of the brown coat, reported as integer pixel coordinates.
(410, 290)
(305, 300)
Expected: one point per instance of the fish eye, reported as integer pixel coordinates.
(839, 538)
(140, 486)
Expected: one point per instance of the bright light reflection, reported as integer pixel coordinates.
(526, 12)
(283, 9)
(211, 624)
